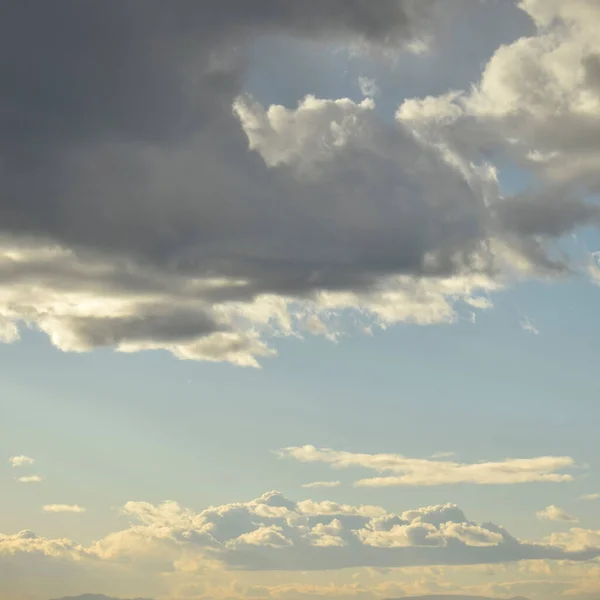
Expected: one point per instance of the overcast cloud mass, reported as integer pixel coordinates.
(149, 202)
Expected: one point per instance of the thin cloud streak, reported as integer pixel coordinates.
(63, 508)
(426, 472)
(30, 479)
(321, 484)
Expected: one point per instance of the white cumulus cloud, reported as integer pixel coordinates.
(554, 513)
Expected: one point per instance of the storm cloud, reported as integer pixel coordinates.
(146, 201)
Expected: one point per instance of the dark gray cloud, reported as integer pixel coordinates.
(120, 138)
(551, 214)
(75, 70)
(121, 147)
(133, 169)
(101, 102)
(157, 324)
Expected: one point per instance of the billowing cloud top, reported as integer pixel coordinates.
(273, 532)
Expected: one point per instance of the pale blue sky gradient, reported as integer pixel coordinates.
(106, 428)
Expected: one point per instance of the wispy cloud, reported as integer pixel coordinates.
(443, 455)
(425, 472)
(590, 497)
(368, 87)
(63, 508)
(322, 484)
(554, 513)
(20, 461)
(529, 327)
(30, 479)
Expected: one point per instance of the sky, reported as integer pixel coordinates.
(298, 300)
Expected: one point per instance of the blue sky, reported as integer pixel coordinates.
(187, 307)
(484, 391)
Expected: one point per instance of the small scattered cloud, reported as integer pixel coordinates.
(590, 497)
(30, 479)
(529, 327)
(554, 513)
(406, 471)
(479, 302)
(593, 267)
(419, 46)
(321, 484)
(63, 508)
(368, 87)
(21, 460)
(443, 455)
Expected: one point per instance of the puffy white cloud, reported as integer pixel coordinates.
(423, 533)
(28, 541)
(327, 534)
(166, 546)
(537, 104)
(306, 137)
(63, 508)
(271, 536)
(435, 515)
(418, 471)
(21, 461)
(275, 533)
(400, 536)
(472, 535)
(576, 539)
(554, 513)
